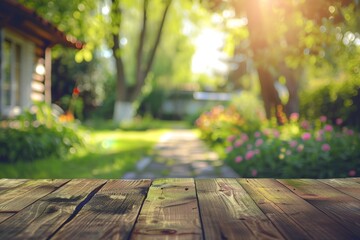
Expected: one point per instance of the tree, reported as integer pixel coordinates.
(126, 90)
(284, 37)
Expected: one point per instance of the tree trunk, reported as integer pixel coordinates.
(125, 93)
(142, 72)
(269, 93)
(259, 45)
(123, 111)
(121, 107)
(293, 78)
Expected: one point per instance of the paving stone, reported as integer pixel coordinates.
(143, 163)
(228, 172)
(130, 175)
(181, 153)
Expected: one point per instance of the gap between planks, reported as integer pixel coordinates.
(44, 216)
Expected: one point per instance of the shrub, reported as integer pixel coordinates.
(218, 123)
(337, 100)
(36, 136)
(250, 107)
(306, 150)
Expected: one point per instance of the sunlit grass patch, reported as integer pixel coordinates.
(108, 154)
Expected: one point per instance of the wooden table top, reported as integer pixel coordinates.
(185, 208)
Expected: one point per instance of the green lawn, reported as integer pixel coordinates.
(108, 154)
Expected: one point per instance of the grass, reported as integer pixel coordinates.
(138, 124)
(108, 154)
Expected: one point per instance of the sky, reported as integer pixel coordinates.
(208, 52)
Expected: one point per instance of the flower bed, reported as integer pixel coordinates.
(304, 150)
(298, 149)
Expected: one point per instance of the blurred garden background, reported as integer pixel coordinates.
(273, 86)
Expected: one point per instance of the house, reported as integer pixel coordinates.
(26, 40)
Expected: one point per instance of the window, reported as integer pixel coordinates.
(10, 89)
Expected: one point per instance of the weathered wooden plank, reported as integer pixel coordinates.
(228, 212)
(41, 219)
(7, 184)
(342, 208)
(348, 186)
(4, 216)
(15, 199)
(357, 180)
(110, 214)
(294, 217)
(11, 183)
(169, 211)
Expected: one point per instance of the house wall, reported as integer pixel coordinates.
(27, 66)
(1, 41)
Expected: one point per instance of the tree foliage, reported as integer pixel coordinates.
(287, 38)
(84, 69)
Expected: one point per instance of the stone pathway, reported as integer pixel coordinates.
(180, 154)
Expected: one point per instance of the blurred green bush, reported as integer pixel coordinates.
(336, 100)
(34, 136)
(218, 123)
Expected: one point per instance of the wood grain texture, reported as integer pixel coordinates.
(348, 186)
(19, 197)
(357, 180)
(4, 216)
(110, 214)
(6, 184)
(170, 211)
(293, 216)
(41, 219)
(342, 208)
(228, 212)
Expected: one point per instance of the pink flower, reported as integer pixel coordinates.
(305, 124)
(294, 117)
(249, 155)
(257, 134)
(276, 134)
(238, 159)
(328, 128)
(254, 172)
(300, 148)
(306, 136)
(238, 143)
(350, 132)
(229, 149)
(347, 131)
(267, 132)
(256, 151)
(352, 173)
(319, 138)
(323, 118)
(231, 138)
(293, 143)
(339, 121)
(259, 142)
(244, 137)
(325, 147)
(320, 133)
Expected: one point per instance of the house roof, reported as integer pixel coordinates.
(28, 23)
